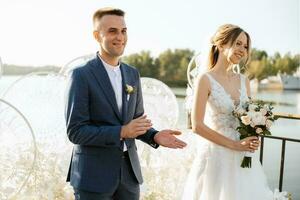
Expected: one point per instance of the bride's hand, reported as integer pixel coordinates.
(248, 144)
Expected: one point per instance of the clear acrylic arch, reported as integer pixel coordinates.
(40, 96)
(1, 68)
(195, 67)
(18, 150)
(160, 103)
(74, 63)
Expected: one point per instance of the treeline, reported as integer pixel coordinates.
(23, 70)
(263, 66)
(171, 65)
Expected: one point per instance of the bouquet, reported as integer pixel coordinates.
(255, 118)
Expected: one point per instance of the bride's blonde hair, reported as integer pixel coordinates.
(226, 33)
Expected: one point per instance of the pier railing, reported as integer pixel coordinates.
(284, 140)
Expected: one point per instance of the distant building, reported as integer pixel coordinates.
(291, 82)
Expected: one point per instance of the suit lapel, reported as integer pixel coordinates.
(102, 78)
(125, 80)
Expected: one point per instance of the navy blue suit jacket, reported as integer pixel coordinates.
(94, 124)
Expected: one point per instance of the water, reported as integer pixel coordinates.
(283, 127)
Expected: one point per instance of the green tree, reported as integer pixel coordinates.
(258, 54)
(173, 65)
(286, 64)
(261, 69)
(144, 63)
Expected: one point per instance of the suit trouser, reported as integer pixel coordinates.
(128, 187)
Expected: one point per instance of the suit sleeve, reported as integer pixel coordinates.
(79, 128)
(148, 137)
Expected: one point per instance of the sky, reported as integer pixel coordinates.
(53, 32)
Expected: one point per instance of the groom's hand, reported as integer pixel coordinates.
(136, 127)
(166, 138)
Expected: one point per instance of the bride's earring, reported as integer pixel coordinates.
(236, 69)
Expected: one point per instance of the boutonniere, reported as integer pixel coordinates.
(129, 90)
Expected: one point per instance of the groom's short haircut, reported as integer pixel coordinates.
(106, 11)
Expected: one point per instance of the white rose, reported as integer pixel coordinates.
(251, 114)
(258, 130)
(246, 120)
(263, 111)
(263, 120)
(252, 107)
(240, 111)
(258, 119)
(269, 123)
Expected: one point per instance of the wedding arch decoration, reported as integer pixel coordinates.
(1, 69)
(40, 98)
(18, 150)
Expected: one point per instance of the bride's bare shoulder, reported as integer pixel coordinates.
(202, 81)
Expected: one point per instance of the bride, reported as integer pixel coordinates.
(216, 173)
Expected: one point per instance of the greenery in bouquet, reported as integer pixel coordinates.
(255, 119)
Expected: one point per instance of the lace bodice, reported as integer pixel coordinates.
(221, 105)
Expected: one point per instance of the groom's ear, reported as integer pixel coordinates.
(96, 35)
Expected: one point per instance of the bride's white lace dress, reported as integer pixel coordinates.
(216, 173)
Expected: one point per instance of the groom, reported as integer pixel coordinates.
(105, 114)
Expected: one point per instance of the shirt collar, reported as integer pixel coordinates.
(110, 67)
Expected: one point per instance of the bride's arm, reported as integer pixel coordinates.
(202, 92)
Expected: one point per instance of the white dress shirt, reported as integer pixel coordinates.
(115, 77)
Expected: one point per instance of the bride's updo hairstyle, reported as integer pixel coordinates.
(225, 33)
